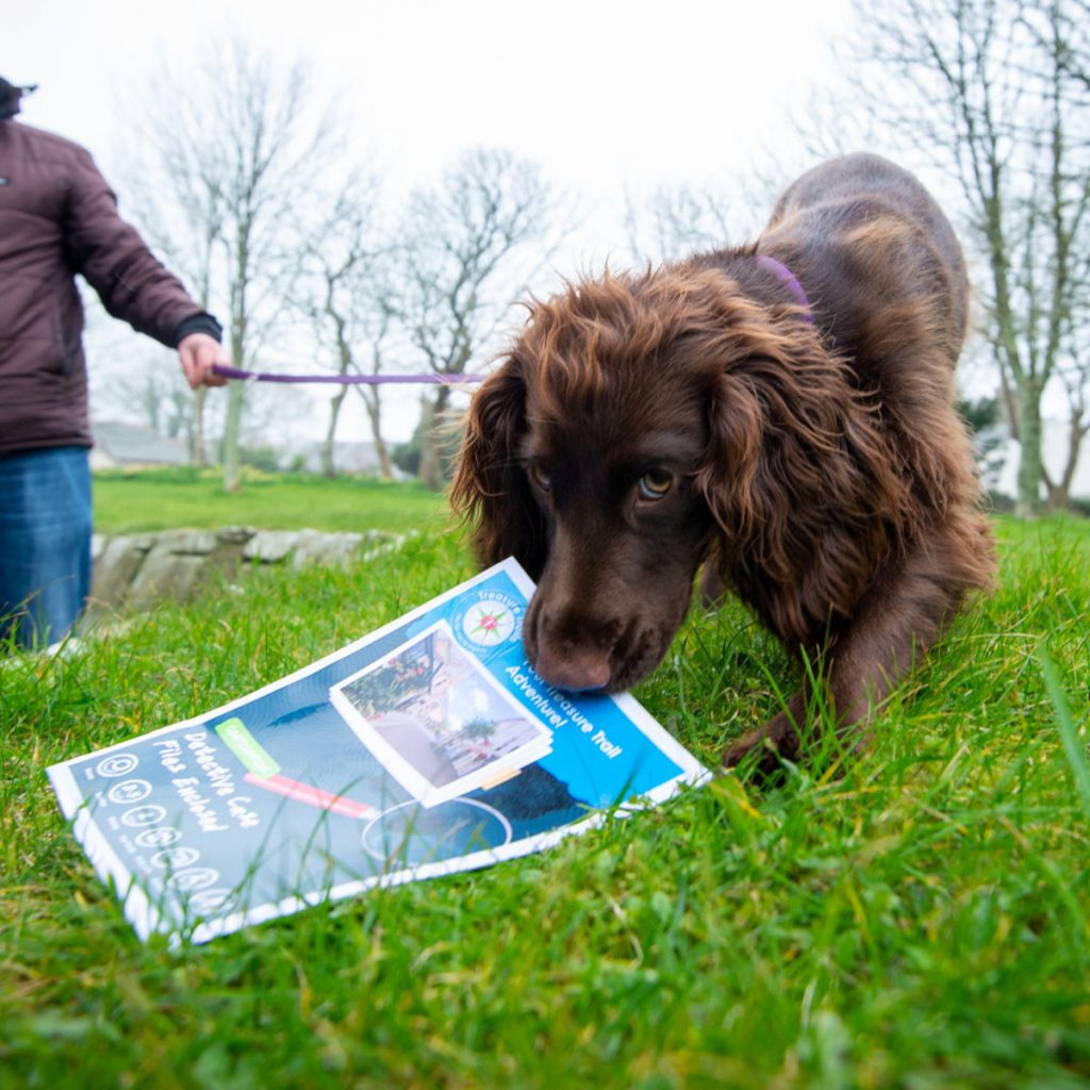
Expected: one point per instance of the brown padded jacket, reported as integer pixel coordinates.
(58, 218)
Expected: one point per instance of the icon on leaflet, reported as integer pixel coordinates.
(143, 815)
(120, 764)
(129, 791)
(162, 837)
(176, 858)
(194, 878)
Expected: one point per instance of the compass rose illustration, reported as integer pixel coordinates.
(488, 623)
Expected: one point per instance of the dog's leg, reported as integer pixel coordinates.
(896, 622)
(712, 588)
(778, 738)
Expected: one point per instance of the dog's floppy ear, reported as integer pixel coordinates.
(800, 487)
(730, 475)
(490, 488)
(755, 482)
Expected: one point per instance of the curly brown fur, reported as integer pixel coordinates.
(819, 468)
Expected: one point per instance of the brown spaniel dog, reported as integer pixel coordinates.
(782, 412)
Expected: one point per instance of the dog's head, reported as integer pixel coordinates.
(638, 423)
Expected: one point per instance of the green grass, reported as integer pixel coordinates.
(917, 916)
(160, 499)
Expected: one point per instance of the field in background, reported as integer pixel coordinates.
(163, 499)
(916, 916)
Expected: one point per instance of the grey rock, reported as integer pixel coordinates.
(329, 549)
(118, 564)
(271, 546)
(166, 574)
(235, 535)
(137, 571)
(187, 542)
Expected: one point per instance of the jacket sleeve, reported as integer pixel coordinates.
(132, 284)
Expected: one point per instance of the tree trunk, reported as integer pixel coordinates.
(433, 416)
(1059, 492)
(385, 462)
(1029, 464)
(382, 451)
(430, 472)
(236, 390)
(232, 476)
(198, 453)
(328, 468)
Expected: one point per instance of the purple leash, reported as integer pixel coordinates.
(785, 275)
(790, 281)
(343, 380)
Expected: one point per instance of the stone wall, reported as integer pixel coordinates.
(134, 572)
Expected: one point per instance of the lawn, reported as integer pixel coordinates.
(917, 916)
(160, 499)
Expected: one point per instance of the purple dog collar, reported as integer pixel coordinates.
(790, 281)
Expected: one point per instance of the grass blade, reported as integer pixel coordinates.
(1074, 748)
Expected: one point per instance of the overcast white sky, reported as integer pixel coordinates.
(594, 89)
(604, 94)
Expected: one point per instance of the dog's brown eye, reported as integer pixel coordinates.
(540, 477)
(655, 485)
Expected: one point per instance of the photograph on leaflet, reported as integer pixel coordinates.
(438, 721)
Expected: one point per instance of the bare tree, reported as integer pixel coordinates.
(159, 401)
(179, 213)
(991, 89)
(228, 151)
(471, 244)
(1058, 210)
(1074, 25)
(676, 220)
(376, 328)
(347, 297)
(684, 218)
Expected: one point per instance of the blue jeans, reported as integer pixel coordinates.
(45, 543)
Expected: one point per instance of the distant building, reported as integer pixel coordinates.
(359, 458)
(130, 446)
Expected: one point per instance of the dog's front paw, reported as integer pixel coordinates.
(766, 747)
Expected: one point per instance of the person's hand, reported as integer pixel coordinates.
(198, 352)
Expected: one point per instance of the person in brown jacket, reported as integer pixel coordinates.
(58, 218)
